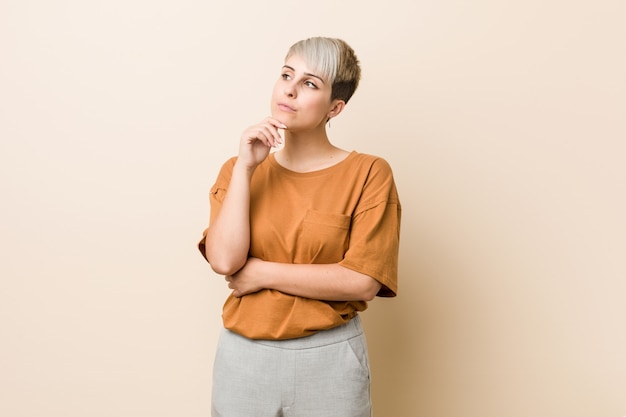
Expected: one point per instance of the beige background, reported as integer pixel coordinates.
(504, 123)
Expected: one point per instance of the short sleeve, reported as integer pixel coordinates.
(375, 230)
(216, 197)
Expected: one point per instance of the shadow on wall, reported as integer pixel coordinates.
(393, 327)
(407, 334)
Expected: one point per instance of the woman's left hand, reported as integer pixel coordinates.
(247, 280)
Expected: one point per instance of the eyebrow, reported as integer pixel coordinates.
(306, 73)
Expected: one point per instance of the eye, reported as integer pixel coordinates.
(310, 84)
(285, 76)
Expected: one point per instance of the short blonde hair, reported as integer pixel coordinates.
(332, 59)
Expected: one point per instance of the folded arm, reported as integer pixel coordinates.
(331, 282)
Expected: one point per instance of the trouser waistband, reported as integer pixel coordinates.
(338, 334)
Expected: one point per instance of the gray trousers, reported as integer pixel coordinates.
(323, 375)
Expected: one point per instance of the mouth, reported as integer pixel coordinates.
(285, 107)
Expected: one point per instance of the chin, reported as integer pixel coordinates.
(279, 115)
(284, 117)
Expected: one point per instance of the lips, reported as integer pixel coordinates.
(285, 107)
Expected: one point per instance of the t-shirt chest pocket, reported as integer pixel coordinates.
(325, 237)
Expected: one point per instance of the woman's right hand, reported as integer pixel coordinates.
(257, 140)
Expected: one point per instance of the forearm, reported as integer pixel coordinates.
(228, 237)
(331, 282)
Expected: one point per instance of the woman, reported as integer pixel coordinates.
(305, 237)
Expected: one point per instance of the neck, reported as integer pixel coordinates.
(308, 151)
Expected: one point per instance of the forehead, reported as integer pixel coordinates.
(301, 65)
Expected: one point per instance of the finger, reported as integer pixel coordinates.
(270, 135)
(257, 134)
(266, 132)
(277, 123)
(274, 125)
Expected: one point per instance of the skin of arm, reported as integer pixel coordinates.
(331, 282)
(228, 238)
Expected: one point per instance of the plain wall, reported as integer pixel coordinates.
(504, 123)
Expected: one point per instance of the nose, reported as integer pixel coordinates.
(289, 90)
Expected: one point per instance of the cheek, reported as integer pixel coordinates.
(274, 93)
(274, 99)
(320, 107)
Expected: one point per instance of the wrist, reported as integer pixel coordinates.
(243, 168)
(264, 278)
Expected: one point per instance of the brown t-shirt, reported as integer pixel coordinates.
(348, 213)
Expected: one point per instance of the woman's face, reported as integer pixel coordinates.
(301, 98)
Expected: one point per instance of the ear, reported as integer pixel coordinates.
(336, 107)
